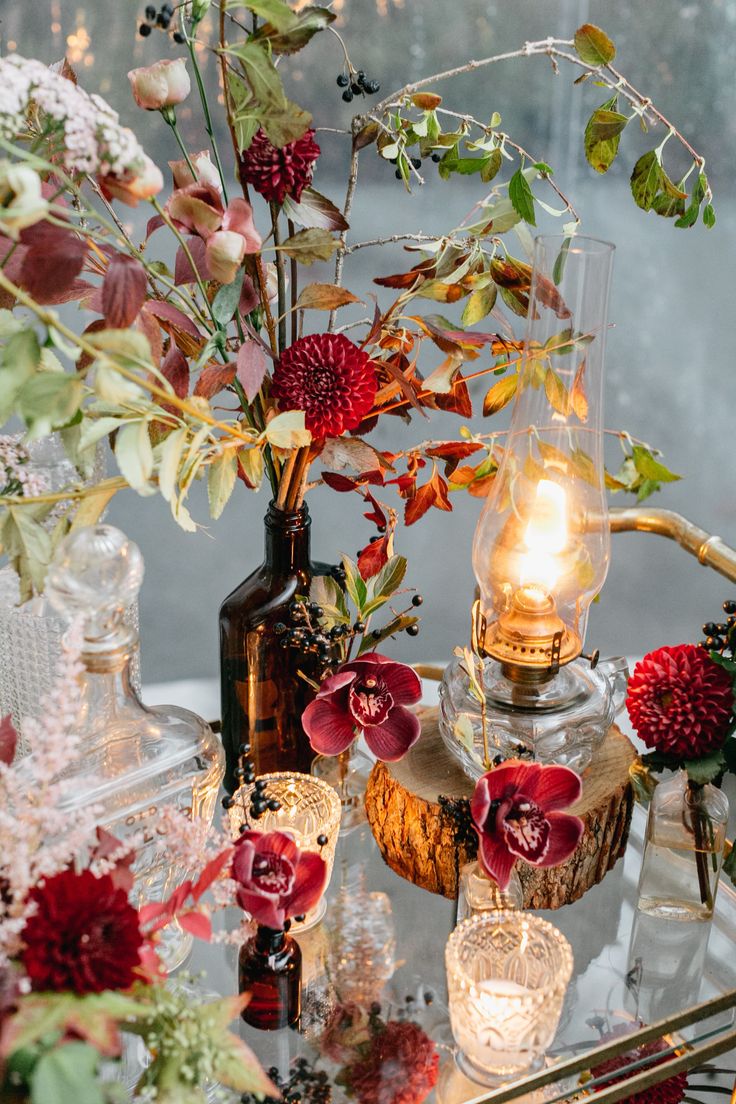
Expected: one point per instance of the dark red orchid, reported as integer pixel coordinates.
(367, 695)
(276, 881)
(515, 813)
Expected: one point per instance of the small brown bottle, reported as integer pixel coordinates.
(263, 694)
(270, 969)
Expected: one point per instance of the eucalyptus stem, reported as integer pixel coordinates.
(206, 112)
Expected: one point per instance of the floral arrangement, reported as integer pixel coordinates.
(80, 955)
(222, 366)
(515, 811)
(682, 704)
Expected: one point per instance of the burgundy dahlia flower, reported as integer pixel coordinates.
(330, 379)
(670, 1091)
(276, 881)
(680, 702)
(367, 695)
(399, 1067)
(276, 173)
(515, 813)
(84, 935)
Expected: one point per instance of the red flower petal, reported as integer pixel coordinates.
(480, 803)
(309, 884)
(329, 378)
(391, 740)
(264, 910)
(552, 786)
(403, 683)
(496, 859)
(276, 173)
(564, 836)
(337, 681)
(329, 728)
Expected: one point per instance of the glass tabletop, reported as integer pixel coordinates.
(379, 952)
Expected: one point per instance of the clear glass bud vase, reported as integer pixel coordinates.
(683, 853)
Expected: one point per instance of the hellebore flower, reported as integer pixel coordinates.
(367, 695)
(161, 85)
(276, 880)
(206, 172)
(515, 813)
(680, 702)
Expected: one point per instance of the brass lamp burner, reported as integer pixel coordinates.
(529, 639)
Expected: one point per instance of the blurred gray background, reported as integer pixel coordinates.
(671, 353)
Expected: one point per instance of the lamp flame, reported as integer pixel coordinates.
(546, 535)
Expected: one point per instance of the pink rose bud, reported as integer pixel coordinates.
(225, 251)
(163, 84)
(131, 189)
(206, 172)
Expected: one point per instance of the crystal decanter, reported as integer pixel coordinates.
(133, 761)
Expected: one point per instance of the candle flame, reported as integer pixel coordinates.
(546, 535)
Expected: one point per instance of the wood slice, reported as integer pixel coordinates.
(417, 838)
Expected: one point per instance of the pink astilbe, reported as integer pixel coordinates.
(40, 837)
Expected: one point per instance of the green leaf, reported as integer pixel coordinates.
(20, 360)
(310, 245)
(245, 110)
(650, 468)
(226, 301)
(602, 137)
(48, 401)
(221, 478)
(285, 125)
(709, 216)
(557, 393)
(275, 11)
(67, 1075)
(480, 303)
(707, 768)
(261, 74)
(521, 197)
(390, 577)
(668, 206)
(646, 179)
(129, 344)
(134, 455)
(293, 36)
(491, 166)
(326, 592)
(593, 45)
(354, 584)
(560, 261)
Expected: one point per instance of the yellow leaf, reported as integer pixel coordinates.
(500, 395)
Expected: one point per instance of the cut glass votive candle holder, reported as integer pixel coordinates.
(310, 811)
(507, 974)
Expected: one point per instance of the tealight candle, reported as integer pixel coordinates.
(507, 973)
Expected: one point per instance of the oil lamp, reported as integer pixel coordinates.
(542, 545)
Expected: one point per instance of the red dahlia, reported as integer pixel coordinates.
(400, 1067)
(276, 173)
(330, 379)
(84, 935)
(680, 701)
(670, 1091)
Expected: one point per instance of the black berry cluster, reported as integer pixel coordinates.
(355, 83)
(720, 636)
(160, 18)
(303, 632)
(403, 161)
(304, 1085)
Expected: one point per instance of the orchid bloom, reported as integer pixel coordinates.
(161, 85)
(515, 813)
(276, 881)
(367, 695)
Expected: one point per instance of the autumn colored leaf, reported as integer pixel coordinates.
(324, 297)
(251, 368)
(417, 506)
(52, 262)
(426, 101)
(457, 401)
(214, 378)
(123, 291)
(341, 483)
(175, 368)
(424, 270)
(593, 45)
(8, 740)
(500, 395)
(373, 557)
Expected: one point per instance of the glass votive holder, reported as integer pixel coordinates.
(507, 973)
(309, 810)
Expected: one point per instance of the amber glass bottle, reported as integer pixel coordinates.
(262, 693)
(270, 969)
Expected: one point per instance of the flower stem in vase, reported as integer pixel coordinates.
(700, 820)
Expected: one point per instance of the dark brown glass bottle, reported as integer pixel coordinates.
(270, 969)
(262, 693)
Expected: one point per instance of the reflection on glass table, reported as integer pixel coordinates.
(376, 966)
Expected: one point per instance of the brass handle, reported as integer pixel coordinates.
(709, 550)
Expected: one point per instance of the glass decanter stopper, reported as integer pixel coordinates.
(683, 852)
(479, 893)
(133, 761)
(270, 969)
